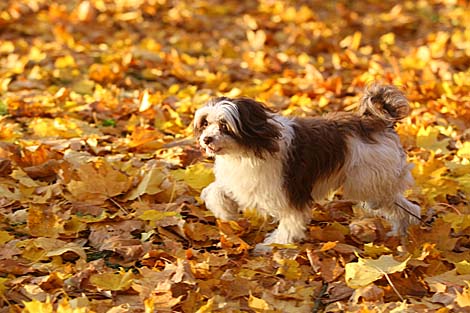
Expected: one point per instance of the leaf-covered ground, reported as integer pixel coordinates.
(100, 178)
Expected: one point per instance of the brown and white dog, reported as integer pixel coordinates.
(280, 165)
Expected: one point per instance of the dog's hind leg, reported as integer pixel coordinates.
(401, 214)
(378, 175)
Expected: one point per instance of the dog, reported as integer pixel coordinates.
(281, 165)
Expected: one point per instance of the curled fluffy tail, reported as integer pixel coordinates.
(386, 102)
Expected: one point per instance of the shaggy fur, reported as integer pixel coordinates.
(281, 165)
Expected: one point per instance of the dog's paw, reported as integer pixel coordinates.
(367, 230)
(205, 193)
(225, 216)
(262, 249)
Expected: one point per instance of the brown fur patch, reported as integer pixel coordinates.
(258, 131)
(199, 125)
(319, 149)
(385, 102)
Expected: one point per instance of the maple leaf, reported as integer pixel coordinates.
(43, 222)
(427, 138)
(36, 306)
(5, 237)
(197, 176)
(258, 304)
(113, 281)
(150, 183)
(463, 299)
(366, 271)
(98, 182)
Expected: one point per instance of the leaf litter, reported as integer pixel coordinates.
(100, 177)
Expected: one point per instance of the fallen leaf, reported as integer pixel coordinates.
(113, 281)
(196, 176)
(258, 303)
(366, 271)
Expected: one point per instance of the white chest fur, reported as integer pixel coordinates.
(253, 182)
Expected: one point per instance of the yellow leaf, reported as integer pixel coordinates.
(289, 269)
(36, 306)
(60, 127)
(84, 86)
(353, 41)
(400, 308)
(366, 271)
(24, 179)
(463, 299)
(463, 267)
(197, 176)
(65, 61)
(387, 40)
(336, 60)
(258, 304)
(458, 222)
(373, 250)
(427, 138)
(161, 218)
(5, 237)
(66, 307)
(150, 184)
(113, 281)
(145, 104)
(328, 245)
(2, 285)
(211, 303)
(42, 247)
(43, 222)
(464, 151)
(152, 215)
(97, 182)
(7, 47)
(464, 182)
(145, 137)
(8, 194)
(256, 39)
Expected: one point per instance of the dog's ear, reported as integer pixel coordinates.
(200, 121)
(259, 132)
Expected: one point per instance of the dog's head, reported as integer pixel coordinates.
(236, 126)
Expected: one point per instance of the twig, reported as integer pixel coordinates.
(118, 205)
(408, 211)
(393, 286)
(450, 206)
(317, 304)
(178, 143)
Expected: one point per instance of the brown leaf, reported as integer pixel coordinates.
(368, 293)
(45, 170)
(95, 183)
(5, 167)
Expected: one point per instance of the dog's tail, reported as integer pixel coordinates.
(386, 102)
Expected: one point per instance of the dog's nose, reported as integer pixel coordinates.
(208, 139)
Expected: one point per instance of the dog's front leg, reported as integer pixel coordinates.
(219, 203)
(291, 228)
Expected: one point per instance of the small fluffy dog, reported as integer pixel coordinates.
(280, 165)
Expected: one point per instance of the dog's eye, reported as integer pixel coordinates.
(223, 127)
(204, 123)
